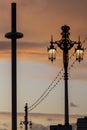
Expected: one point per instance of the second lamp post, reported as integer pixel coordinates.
(65, 44)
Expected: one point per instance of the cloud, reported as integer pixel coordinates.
(73, 105)
(37, 20)
(39, 120)
(49, 119)
(78, 72)
(6, 45)
(34, 17)
(26, 50)
(5, 125)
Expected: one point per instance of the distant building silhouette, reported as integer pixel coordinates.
(60, 127)
(82, 123)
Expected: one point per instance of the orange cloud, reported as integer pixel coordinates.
(37, 118)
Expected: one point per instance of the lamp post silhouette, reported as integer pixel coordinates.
(65, 44)
(26, 122)
(13, 35)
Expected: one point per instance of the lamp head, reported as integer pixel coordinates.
(51, 51)
(79, 51)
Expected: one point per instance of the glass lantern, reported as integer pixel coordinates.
(52, 54)
(51, 50)
(79, 53)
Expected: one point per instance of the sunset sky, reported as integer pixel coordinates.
(38, 20)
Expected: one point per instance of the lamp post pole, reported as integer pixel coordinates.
(65, 60)
(26, 117)
(13, 35)
(26, 122)
(65, 44)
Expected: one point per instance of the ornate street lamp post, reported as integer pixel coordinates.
(26, 122)
(65, 44)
